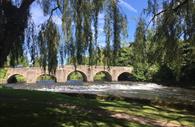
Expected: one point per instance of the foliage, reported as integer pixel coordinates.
(78, 17)
(125, 56)
(16, 79)
(142, 72)
(48, 44)
(21, 62)
(20, 79)
(187, 73)
(75, 76)
(46, 77)
(173, 36)
(3, 72)
(164, 74)
(102, 76)
(166, 40)
(163, 49)
(140, 42)
(114, 23)
(13, 21)
(142, 50)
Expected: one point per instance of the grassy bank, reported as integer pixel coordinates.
(29, 108)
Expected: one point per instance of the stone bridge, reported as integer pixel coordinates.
(31, 74)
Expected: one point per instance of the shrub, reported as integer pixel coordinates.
(164, 74)
(188, 73)
(143, 72)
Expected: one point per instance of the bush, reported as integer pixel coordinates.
(101, 76)
(75, 76)
(188, 73)
(164, 74)
(143, 72)
(16, 79)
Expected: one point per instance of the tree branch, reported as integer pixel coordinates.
(175, 9)
(26, 4)
(52, 11)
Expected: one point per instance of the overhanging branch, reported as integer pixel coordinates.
(52, 11)
(174, 9)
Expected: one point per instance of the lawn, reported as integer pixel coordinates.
(20, 108)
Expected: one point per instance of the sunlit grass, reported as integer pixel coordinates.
(30, 108)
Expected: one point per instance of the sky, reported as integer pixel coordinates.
(131, 8)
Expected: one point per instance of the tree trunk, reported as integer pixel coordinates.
(13, 21)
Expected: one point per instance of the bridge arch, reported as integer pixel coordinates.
(45, 77)
(16, 78)
(102, 76)
(80, 75)
(125, 76)
(88, 73)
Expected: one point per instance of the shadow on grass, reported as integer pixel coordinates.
(32, 109)
(27, 109)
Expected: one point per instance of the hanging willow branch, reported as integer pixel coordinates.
(80, 38)
(48, 44)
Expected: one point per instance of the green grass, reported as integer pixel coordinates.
(33, 109)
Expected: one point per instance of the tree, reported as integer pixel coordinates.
(77, 17)
(13, 21)
(48, 43)
(173, 23)
(125, 56)
(140, 42)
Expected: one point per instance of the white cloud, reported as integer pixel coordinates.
(127, 5)
(37, 14)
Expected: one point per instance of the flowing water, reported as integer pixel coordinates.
(140, 90)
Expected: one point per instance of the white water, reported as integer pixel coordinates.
(132, 89)
(89, 88)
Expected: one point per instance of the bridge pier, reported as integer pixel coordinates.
(114, 79)
(31, 77)
(60, 76)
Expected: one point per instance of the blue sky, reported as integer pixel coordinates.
(131, 8)
(133, 15)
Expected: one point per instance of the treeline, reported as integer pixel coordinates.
(164, 48)
(164, 45)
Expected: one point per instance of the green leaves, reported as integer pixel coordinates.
(49, 44)
(171, 43)
(81, 38)
(79, 25)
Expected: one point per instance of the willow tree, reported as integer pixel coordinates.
(13, 21)
(78, 17)
(48, 42)
(173, 23)
(115, 27)
(140, 42)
